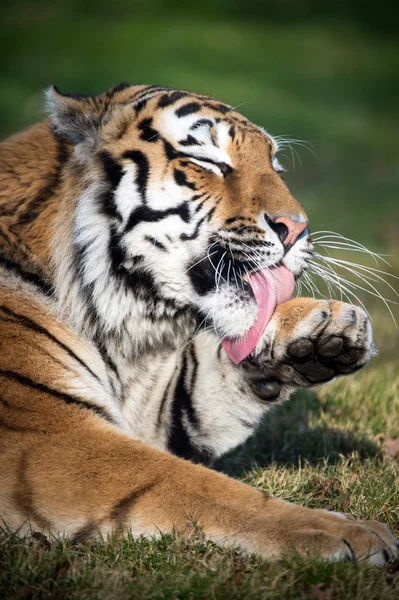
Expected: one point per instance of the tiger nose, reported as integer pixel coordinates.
(289, 230)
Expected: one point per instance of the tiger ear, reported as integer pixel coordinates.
(78, 117)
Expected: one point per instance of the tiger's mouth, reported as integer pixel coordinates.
(270, 287)
(267, 286)
(233, 268)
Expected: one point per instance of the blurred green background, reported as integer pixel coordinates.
(324, 72)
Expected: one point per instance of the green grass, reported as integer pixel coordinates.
(181, 569)
(328, 77)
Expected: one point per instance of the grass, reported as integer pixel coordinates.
(328, 78)
(178, 569)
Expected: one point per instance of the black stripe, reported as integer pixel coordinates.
(168, 99)
(181, 179)
(117, 88)
(200, 205)
(204, 198)
(194, 360)
(9, 427)
(209, 215)
(219, 107)
(201, 123)
(171, 152)
(143, 284)
(143, 169)
(163, 401)
(114, 174)
(147, 214)
(116, 252)
(190, 141)
(192, 236)
(23, 494)
(35, 206)
(106, 358)
(146, 90)
(120, 510)
(87, 289)
(179, 442)
(187, 109)
(252, 243)
(112, 168)
(224, 167)
(6, 211)
(232, 219)
(40, 387)
(33, 278)
(140, 104)
(202, 272)
(139, 100)
(75, 95)
(244, 229)
(34, 326)
(123, 127)
(148, 133)
(156, 243)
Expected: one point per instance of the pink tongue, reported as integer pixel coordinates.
(270, 287)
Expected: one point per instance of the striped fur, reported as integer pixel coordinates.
(126, 223)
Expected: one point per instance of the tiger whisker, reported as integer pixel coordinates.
(337, 238)
(199, 261)
(368, 273)
(345, 290)
(349, 284)
(348, 248)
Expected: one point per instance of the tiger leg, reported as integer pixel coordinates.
(67, 468)
(214, 405)
(309, 342)
(92, 479)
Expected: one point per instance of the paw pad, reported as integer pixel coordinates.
(267, 389)
(331, 347)
(301, 348)
(320, 360)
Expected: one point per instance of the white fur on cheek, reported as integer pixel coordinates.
(294, 259)
(232, 315)
(127, 197)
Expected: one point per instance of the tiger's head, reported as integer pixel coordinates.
(181, 217)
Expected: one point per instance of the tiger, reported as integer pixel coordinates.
(149, 250)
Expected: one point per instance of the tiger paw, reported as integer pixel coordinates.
(309, 342)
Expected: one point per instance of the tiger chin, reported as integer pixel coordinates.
(149, 250)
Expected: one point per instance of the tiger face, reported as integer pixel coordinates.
(182, 209)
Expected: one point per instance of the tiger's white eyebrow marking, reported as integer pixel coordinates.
(206, 165)
(199, 126)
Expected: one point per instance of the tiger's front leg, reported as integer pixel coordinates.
(308, 342)
(214, 405)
